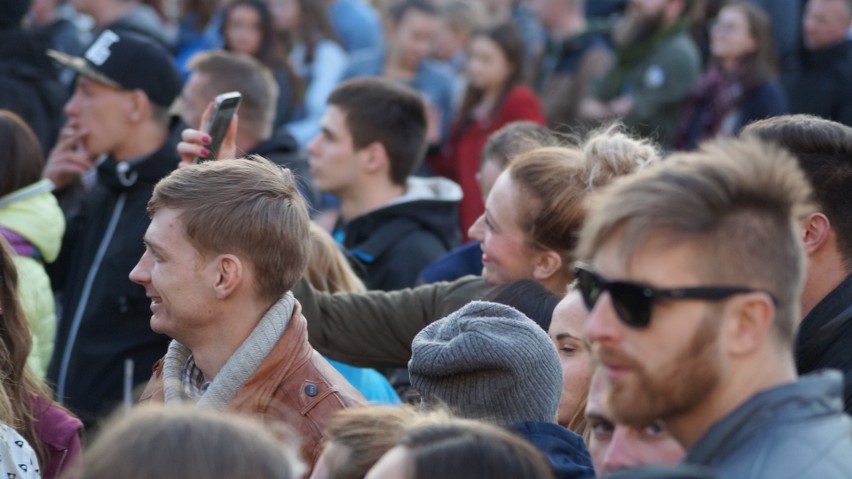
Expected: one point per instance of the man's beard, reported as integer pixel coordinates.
(669, 392)
(635, 27)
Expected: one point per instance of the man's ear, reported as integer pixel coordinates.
(140, 106)
(230, 271)
(375, 158)
(816, 230)
(749, 322)
(547, 264)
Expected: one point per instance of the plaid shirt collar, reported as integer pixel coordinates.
(194, 384)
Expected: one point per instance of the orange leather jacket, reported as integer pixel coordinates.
(294, 385)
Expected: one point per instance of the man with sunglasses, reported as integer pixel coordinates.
(693, 275)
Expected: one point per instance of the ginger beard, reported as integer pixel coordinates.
(643, 396)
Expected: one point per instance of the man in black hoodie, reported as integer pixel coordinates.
(119, 112)
(372, 137)
(824, 151)
(218, 72)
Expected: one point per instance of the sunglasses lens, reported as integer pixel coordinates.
(631, 304)
(589, 286)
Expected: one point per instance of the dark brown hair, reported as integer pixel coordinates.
(22, 159)
(271, 53)
(508, 40)
(470, 449)
(823, 149)
(381, 110)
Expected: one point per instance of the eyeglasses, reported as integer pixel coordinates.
(633, 301)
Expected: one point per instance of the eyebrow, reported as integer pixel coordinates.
(151, 245)
(490, 218)
(561, 336)
(596, 416)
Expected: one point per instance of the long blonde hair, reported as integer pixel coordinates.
(327, 268)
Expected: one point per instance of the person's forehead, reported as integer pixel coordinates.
(94, 85)
(415, 17)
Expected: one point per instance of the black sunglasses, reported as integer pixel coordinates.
(633, 302)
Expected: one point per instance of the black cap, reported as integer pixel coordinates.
(128, 62)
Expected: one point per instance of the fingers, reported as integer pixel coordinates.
(228, 149)
(205, 117)
(193, 144)
(69, 159)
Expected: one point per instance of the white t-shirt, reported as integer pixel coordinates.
(17, 458)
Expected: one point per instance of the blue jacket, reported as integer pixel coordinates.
(563, 448)
(458, 263)
(796, 430)
(357, 24)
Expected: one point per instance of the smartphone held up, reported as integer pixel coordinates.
(225, 106)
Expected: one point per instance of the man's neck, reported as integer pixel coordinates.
(825, 272)
(395, 68)
(213, 347)
(142, 142)
(365, 198)
(730, 394)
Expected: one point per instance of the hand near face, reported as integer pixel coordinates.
(69, 159)
(194, 142)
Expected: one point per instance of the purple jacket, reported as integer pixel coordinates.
(59, 432)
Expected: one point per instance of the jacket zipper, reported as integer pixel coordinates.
(84, 296)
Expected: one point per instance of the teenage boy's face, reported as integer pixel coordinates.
(414, 37)
(333, 158)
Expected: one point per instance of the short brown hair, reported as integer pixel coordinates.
(187, 441)
(516, 138)
(738, 201)
(247, 206)
(824, 150)
(230, 71)
(381, 110)
(367, 433)
(463, 448)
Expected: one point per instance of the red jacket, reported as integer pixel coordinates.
(461, 163)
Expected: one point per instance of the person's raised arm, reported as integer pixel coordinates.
(375, 329)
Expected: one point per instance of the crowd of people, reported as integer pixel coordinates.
(440, 238)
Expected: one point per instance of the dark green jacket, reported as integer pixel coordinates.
(659, 84)
(375, 329)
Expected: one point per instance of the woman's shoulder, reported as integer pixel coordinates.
(522, 100)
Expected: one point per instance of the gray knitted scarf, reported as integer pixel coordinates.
(239, 367)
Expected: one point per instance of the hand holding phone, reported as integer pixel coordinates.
(225, 106)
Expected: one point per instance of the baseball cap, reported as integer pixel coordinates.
(128, 62)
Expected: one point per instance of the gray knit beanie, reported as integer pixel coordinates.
(488, 361)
